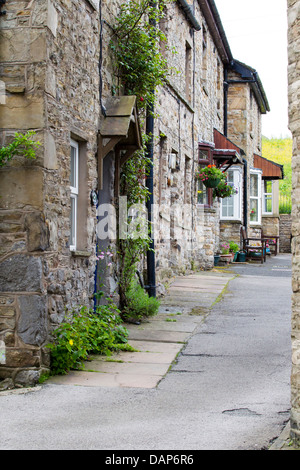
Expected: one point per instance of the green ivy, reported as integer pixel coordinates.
(140, 68)
(132, 249)
(136, 41)
(21, 145)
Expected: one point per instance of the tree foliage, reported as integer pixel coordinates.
(280, 151)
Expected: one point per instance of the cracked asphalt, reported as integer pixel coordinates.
(229, 388)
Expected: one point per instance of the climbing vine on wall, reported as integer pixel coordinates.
(140, 68)
(131, 247)
(136, 41)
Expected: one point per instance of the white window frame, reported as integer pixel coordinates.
(237, 198)
(258, 173)
(264, 195)
(74, 196)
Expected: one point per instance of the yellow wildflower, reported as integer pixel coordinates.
(71, 342)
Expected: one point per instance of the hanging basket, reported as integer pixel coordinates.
(211, 182)
(224, 190)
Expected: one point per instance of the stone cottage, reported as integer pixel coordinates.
(47, 262)
(256, 206)
(57, 79)
(294, 102)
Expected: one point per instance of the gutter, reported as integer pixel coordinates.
(250, 75)
(189, 14)
(220, 27)
(214, 23)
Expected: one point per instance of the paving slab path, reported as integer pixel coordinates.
(217, 378)
(157, 340)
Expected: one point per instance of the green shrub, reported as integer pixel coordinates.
(86, 332)
(21, 145)
(139, 304)
(233, 247)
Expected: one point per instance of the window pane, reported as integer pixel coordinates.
(202, 193)
(268, 187)
(203, 154)
(254, 210)
(231, 206)
(73, 176)
(228, 207)
(254, 185)
(73, 222)
(268, 204)
(230, 177)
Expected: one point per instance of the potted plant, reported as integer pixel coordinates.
(253, 215)
(225, 255)
(233, 248)
(224, 189)
(210, 176)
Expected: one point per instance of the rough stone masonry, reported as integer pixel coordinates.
(294, 125)
(51, 78)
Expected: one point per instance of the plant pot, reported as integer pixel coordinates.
(241, 258)
(226, 258)
(216, 260)
(211, 182)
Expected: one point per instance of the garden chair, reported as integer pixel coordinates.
(272, 240)
(254, 248)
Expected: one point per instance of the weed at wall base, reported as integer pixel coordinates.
(139, 304)
(86, 332)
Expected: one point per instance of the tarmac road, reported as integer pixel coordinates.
(228, 389)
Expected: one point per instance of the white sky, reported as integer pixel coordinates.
(256, 31)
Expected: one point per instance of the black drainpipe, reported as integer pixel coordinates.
(149, 184)
(245, 195)
(225, 102)
(150, 202)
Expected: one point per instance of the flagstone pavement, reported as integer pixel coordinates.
(157, 340)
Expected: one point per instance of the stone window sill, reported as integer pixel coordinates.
(209, 210)
(231, 221)
(79, 253)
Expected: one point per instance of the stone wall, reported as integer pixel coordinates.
(294, 125)
(244, 130)
(271, 227)
(48, 90)
(244, 118)
(231, 231)
(49, 62)
(189, 107)
(285, 233)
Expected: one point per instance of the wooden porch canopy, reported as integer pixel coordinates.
(270, 170)
(225, 151)
(119, 130)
